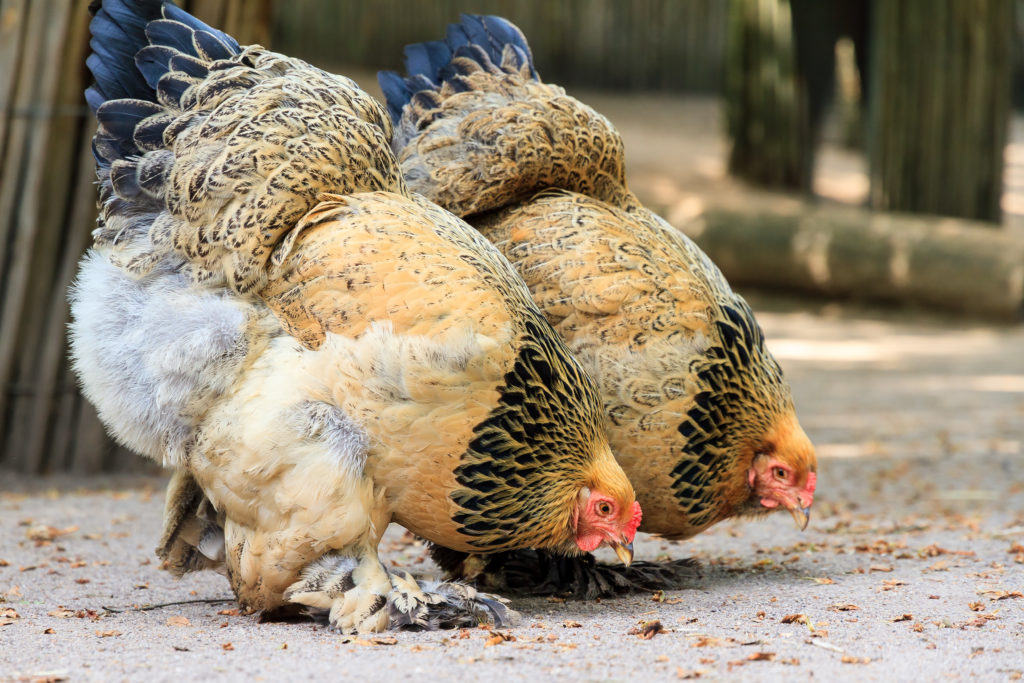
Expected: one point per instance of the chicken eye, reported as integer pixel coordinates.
(780, 472)
(604, 508)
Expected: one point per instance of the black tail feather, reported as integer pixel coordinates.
(172, 34)
(118, 29)
(136, 45)
(175, 13)
(529, 572)
(541, 573)
(428, 65)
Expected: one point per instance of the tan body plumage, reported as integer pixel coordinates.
(315, 351)
(693, 396)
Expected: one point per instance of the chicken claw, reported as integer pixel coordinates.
(355, 592)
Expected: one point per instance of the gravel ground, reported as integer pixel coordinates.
(912, 567)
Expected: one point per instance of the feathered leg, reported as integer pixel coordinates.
(193, 537)
(353, 588)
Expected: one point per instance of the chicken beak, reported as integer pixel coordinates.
(624, 550)
(801, 515)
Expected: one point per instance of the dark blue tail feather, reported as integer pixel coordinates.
(428, 65)
(177, 14)
(118, 29)
(135, 44)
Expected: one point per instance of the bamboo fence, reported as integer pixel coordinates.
(47, 210)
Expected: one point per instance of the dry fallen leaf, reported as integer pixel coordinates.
(178, 621)
(917, 628)
(935, 550)
(794, 618)
(571, 624)
(227, 646)
(847, 659)
(48, 533)
(49, 632)
(647, 629)
(711, 641)
(880, 568)
(843, 607)
(686, 674)
(230, 612)
(761, 657)
(996, 594)
(61, 613)
(497, 638)
(9, 613)
(976, 606)
(823, 580)
(981, 620)
(890, 584)
(902, 617)
(108, 634)
(380, 640)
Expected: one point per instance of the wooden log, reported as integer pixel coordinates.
(842, 252)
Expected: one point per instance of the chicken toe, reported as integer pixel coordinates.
(353, 590)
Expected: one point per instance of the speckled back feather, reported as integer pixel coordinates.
(238, 146)
(476, 129)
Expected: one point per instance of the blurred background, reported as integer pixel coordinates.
(830, 151)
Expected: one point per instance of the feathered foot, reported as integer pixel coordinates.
(193, 537)
(355, 592)
(443, 605)
(540, 573)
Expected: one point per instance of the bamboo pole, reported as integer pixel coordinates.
(21, 198)
(12, 28)
(766, 104)
(939, 106)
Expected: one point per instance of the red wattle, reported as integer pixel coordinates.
(590, 542)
